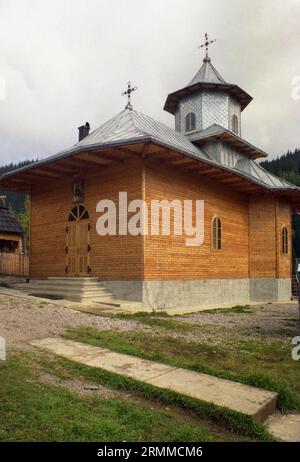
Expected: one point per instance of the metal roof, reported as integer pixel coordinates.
(129, 127)
(207, 78)
(8, 222)
(259, 173)
(215, 131)
(252, 168)
(207, 73)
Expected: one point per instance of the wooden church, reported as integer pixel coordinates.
(246, 253)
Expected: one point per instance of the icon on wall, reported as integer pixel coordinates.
(78, 191)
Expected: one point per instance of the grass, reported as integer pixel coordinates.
(266, 364)
(33, 411)
(233, 421)
(162, 322)
(246, 309)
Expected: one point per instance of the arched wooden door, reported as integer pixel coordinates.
(78, 242)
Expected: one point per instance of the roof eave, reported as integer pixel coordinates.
(75, 150)
(173, 98)
(149, 138)
(231, 138)
(20, 233)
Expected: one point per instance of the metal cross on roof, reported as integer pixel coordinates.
(128, 92)
(206, 45)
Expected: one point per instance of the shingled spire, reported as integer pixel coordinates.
(207, 74)
(207, 100)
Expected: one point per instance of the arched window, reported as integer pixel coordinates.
(235, 124)
(79, 212)
(190, 122)
(216, 234)
(284, 240)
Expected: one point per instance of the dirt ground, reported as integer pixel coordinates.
(22, 320)
(272, 320)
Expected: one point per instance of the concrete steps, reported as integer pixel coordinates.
(73, 289)
(284, 427)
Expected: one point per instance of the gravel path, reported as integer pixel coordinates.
(24, 319)
(272, 320)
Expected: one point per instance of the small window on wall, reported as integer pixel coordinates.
(190, 122)
(235, 124)
(216, 234)
(284, 241)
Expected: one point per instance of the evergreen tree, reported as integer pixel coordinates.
(24, 218)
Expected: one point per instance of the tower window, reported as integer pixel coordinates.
(190, 122)
(284, 241)
(235, 124)
(216, 234)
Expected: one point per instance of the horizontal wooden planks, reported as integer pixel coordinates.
(167, 257)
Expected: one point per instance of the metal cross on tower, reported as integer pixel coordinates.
(206, 45)
(127, 93)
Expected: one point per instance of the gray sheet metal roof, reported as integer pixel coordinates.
(212, 130)
(216, 131)
(209, 79)
(130, 127)
(133, 126)
(251, 169)
(259, 173)
(8, 222)
(207, 74)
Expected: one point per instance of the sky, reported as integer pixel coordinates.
(65, 62)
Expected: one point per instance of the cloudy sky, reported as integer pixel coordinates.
(65, 62)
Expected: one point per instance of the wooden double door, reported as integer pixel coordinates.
(78, 243)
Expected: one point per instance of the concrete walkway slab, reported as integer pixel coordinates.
(284, 427)
(247, 400)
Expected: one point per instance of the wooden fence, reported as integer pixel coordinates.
(12, 264)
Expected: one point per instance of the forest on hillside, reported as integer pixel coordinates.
(15, 200)
(286, 166)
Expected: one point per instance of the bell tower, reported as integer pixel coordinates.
(206, 101)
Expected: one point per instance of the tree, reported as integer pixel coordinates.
(24, 218)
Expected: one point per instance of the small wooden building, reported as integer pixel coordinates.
(246, 252)
(11, 232)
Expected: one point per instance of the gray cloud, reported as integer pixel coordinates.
(66, 62)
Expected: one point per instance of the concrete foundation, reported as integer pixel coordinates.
(201, 293)
(125, 290)
(270, 290)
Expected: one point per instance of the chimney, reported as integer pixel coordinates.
(84, 131)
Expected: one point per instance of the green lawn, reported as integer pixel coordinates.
(263, 363)
(34, 411)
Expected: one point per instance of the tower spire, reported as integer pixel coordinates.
(206, 44)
